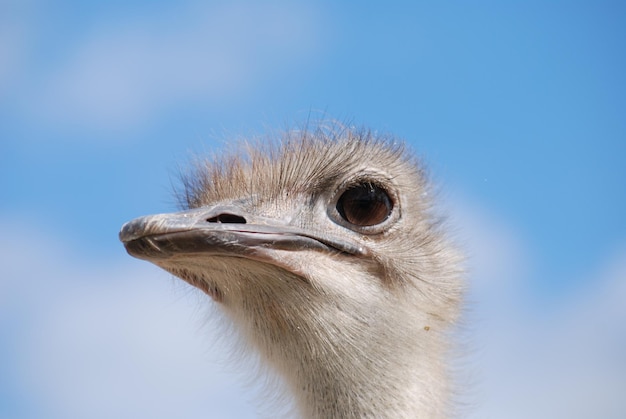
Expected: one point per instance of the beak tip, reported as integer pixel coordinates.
(129, 231)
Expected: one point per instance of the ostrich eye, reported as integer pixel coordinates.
(364, 205)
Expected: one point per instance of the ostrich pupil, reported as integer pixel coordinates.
(364, 205)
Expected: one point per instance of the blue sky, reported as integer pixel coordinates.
(517, 107)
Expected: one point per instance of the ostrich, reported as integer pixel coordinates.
(323, 250)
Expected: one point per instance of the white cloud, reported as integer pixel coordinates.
(564, 361)
(562, 358)
(125, 73)
(101, 341)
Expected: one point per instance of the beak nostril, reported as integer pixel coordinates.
(227, 218)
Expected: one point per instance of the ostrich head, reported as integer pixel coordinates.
(323, 250)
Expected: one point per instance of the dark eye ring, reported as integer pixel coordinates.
(365, 205)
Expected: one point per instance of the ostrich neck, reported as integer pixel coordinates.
(366, 388)
(338, 362)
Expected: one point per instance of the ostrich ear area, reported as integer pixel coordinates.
(207, 232)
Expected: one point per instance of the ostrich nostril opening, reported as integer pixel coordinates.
(227, 218)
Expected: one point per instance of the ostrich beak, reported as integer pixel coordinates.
(223, 231)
